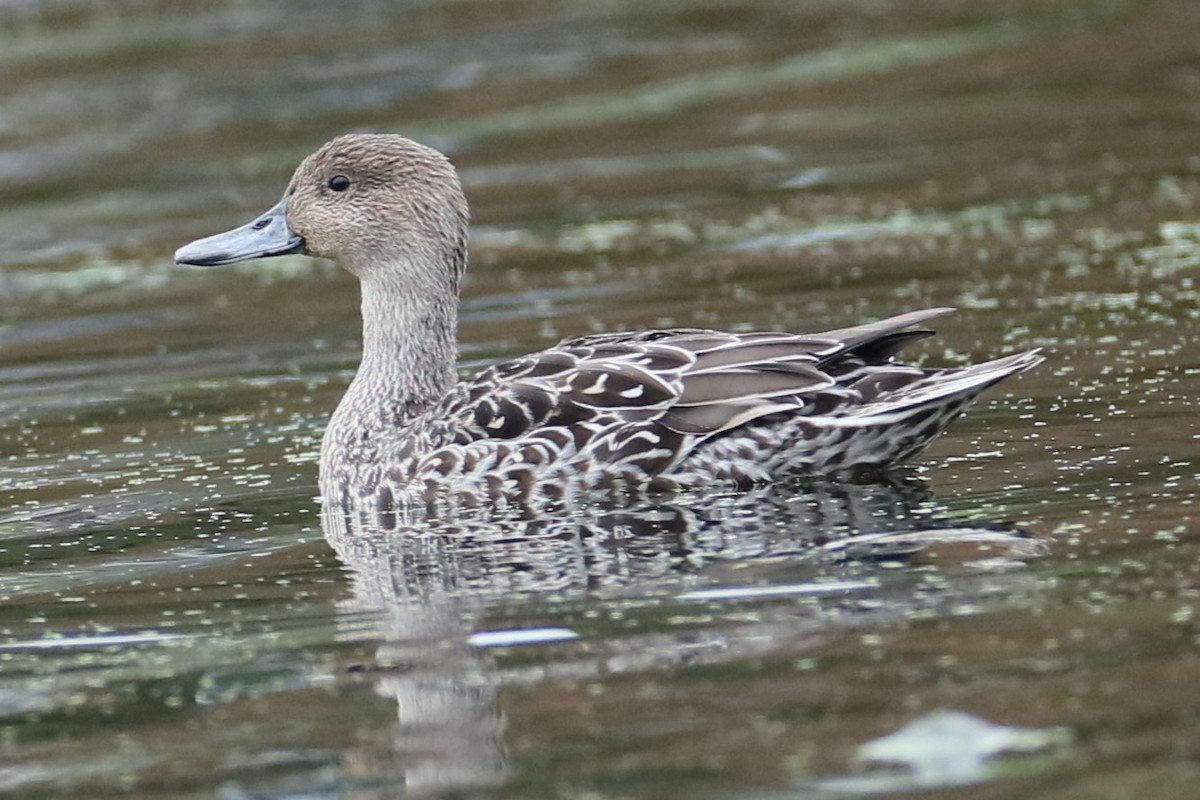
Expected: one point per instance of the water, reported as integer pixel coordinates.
(179, 621)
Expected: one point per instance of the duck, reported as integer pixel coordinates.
(683, 409)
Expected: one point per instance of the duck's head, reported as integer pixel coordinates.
(380, 205)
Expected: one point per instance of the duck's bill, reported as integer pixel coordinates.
(268, 235)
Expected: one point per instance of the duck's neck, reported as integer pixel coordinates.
(408, 364)
(409, 350)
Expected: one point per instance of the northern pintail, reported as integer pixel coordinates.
(652, 410)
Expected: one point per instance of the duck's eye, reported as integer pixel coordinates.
(339, 183)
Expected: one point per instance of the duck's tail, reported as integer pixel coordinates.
(939, 387)
(892, 427)
(896, 426)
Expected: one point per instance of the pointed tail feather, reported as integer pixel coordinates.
(943, 387)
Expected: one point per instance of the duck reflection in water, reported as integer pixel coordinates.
(426, 591)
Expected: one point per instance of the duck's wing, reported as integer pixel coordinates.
(737, 378)
(690, 381)
(611, 405)
(571, 384)
(674, 377)
(515, 422)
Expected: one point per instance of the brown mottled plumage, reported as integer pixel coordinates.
(615, 412)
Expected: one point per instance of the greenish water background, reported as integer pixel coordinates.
(174, 621)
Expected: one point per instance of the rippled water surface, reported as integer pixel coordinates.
(1013, 617)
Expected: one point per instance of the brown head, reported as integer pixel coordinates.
(382, 206)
